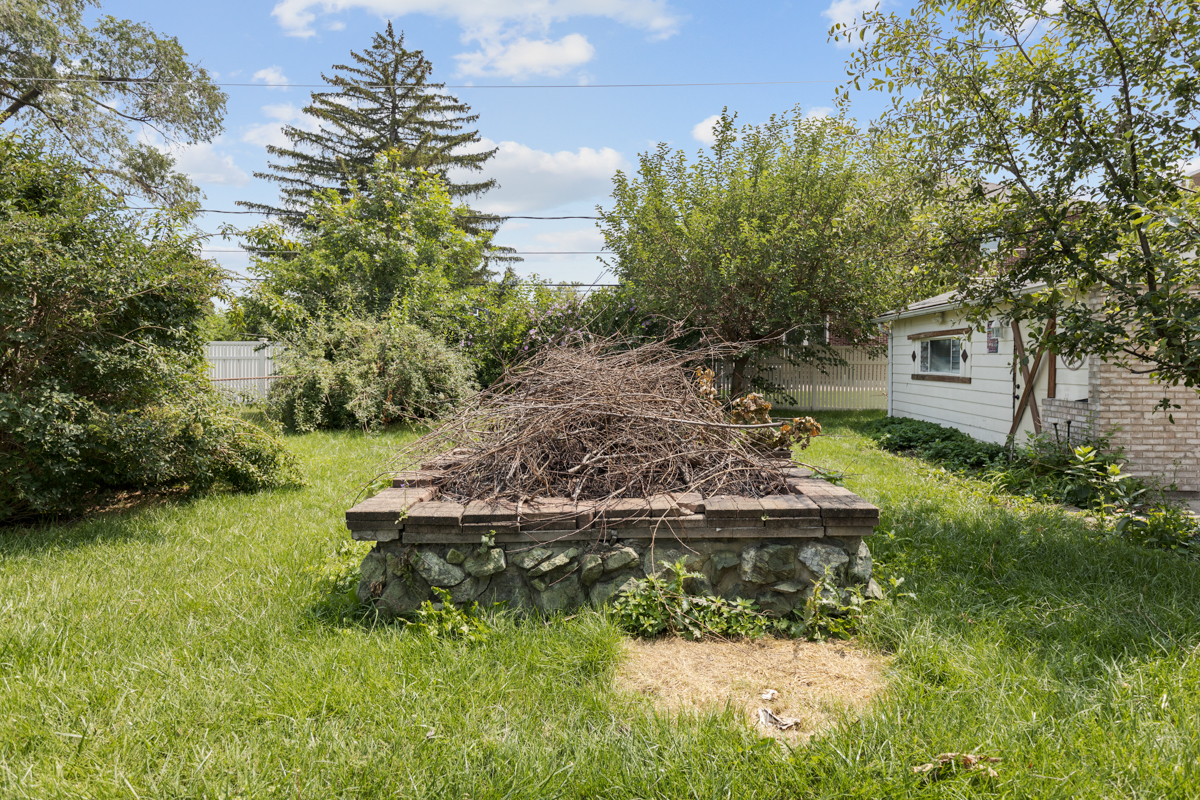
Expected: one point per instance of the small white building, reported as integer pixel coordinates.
(944, 370)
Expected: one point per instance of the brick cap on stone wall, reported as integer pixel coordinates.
(411, 513)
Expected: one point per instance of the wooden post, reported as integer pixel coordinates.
(1052, 367)
(1030, 376)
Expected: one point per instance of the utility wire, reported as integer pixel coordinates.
(464, 216)
(444, 86)
(497, 284)
(515, 253)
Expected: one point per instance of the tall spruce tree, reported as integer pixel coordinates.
(382, 103)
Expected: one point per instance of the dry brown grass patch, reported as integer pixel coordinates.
(812, 679)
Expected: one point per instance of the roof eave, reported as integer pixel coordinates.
(949, 305)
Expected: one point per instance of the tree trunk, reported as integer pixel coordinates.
(739, 375)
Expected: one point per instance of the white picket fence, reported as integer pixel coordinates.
(243, 370)
(860, 384)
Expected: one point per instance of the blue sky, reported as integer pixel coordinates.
(558, 147)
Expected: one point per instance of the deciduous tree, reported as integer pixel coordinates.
(790, 226)
(88, 89)
(1059, 130)
(362, 252)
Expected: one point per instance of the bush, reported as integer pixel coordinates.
(101, 374)
(1168, 526)
(1087, 474)
(948, 447)
(497, 324)
(347, 372)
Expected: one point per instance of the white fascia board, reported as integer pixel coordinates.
(949, 305)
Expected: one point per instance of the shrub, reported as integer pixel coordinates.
(101, 374)
(496, 324)
(949, 447)
(1087, 474)
(346, 372)
(1168, 526)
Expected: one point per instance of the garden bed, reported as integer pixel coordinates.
(557, 554)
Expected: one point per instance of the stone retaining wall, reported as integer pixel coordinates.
(556, 554)
(778, 573)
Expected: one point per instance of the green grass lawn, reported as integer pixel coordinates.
(181, 650)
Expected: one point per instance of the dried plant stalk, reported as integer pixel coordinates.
(595, 420)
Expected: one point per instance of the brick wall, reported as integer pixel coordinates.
(1073, 418)
(1154, 446)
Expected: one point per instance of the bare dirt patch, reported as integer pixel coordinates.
(812, 679)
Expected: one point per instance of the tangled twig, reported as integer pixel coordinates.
(597, 421)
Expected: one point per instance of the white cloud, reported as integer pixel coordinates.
(847, 12)
(703, 130)
(511, 35)
(477, 18)
(205, 165)
(335, 26)
(535, 180)
(523, 57)
(272, 132)
(273, 76)
(818, 112)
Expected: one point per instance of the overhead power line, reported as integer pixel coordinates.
(247, 279)
(514, 253)
(444, 86)
(464, 216)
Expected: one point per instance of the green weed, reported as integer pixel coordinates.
(661, 604)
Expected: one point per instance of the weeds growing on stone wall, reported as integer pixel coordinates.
(833, 613)
(661, 604)
(445, 620)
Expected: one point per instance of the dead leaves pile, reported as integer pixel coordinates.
(947, 764)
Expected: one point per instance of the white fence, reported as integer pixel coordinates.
(859, 384)
(243, 370)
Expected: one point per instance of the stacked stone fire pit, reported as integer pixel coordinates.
(556, 554)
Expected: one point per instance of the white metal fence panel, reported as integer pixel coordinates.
(861, 383)
(243, 370)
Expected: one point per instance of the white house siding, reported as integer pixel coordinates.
(984, 407)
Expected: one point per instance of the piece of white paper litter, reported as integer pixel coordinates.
(766, 718)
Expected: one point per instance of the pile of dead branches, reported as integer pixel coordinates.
(596, 421)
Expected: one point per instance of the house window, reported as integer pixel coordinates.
(941, 356)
